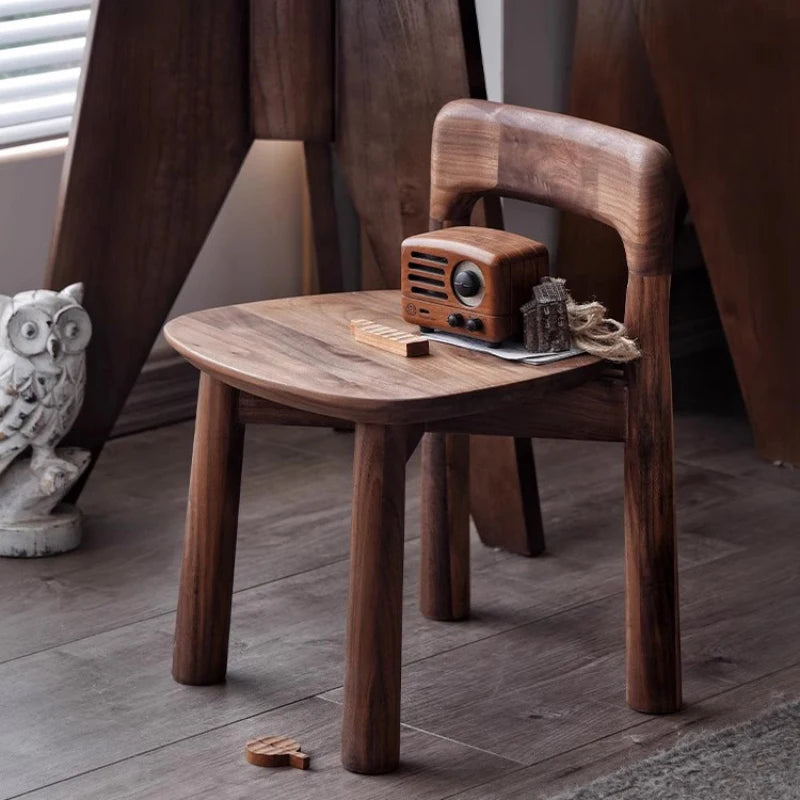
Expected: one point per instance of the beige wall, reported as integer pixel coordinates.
(253, 249)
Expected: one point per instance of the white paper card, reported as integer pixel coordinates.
(510, 351)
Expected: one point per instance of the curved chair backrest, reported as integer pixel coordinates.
(616, 177)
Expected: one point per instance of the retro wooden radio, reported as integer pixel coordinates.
(469, 280)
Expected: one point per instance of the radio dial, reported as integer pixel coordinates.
(474, 325)
(467, 283)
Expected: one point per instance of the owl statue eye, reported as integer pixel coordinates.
(28, 329)
(73, 328)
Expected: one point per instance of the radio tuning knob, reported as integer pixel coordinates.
(467, 283)
(474, 325)
(455, 320)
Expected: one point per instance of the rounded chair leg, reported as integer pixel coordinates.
(651, 553)
(444, 547)
(204, 604)
(371, 718)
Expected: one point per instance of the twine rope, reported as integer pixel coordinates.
(593, 332)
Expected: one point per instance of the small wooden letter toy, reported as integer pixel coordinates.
(386, 338)
(470, 281)
(546, 318)
(276, 751)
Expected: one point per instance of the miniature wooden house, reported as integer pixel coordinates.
(545, 318)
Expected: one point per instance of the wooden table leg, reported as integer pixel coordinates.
(371, 724)
(204, 603)
(444, 546)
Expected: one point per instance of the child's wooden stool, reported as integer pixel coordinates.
(295, 361)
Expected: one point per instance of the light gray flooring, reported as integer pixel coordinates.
(524, 700)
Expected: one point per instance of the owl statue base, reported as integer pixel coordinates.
(33, 520)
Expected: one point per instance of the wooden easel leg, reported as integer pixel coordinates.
(204, 603)
(158, 143)
(319, 177)
(371, 720)
(651, 552)
(444, 547)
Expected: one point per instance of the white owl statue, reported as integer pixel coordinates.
(43, 340)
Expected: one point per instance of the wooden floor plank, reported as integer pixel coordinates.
(725, 444)
(579, 766)
(113, 692)
(127, 568)
(535, 676)
(294, 517)
(558, 683)
(212, 766)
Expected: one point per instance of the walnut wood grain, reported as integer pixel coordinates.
(371, 714)
(594, 411)
(146, 172)
(387, 50)
(623, 180)
(291, 69)
(482, 148)
(257, 410)
(618, 178)
(444, 545)
(299, 352)
(322, 205)
(628, 182)
(740, 172)
(504, 498)
(204, 603)
(651, 559)
(610, 82)
(510, 264)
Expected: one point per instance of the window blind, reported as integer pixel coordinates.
(41, 46)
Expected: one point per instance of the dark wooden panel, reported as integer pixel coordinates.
(504, 497)
(398, 63)
(610, 83)
(325, 230)
(291, 69)
(729, 93)
(147, 170)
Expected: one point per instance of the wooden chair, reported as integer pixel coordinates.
(293, 361)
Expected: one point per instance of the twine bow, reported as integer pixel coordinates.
(594, 333)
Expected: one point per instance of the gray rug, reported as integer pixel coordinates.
(758, 760)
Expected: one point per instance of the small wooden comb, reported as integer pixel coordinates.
(275, 751)
(390, 339)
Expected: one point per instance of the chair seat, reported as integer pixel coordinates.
(299, 352)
